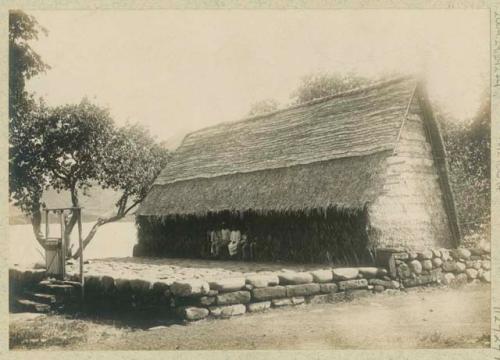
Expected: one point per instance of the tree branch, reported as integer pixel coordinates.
(131, 207)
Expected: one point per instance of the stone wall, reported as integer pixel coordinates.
(195, 299)
(448, 267)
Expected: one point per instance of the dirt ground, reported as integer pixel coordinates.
(423, 318)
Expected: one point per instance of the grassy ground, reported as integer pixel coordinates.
(421, 318)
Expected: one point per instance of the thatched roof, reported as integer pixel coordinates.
(325, 153)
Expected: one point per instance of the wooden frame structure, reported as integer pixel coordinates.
(56, 246)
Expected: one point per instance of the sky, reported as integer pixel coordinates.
(175, 71)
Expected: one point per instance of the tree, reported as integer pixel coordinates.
(263, 107)
(74, 143)
(27, 171)
(468, 148)
(131, 162)
(24, 62)
(314, 86)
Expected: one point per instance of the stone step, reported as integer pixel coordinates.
(48, 299)
(75, 284)
(58, 289)
(32, 306)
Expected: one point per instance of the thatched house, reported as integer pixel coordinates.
(333, 179)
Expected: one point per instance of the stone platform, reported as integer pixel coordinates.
(196, 289)
(171, 270)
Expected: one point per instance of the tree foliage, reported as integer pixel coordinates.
(83, 148)
(314, 86)
(27, 171)
(24, 62)
(71, 147)
(131, 161)
(468, 148)
(263, 107)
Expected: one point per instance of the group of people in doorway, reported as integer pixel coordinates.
(228, 243)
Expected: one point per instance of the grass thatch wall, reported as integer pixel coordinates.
(337, 237)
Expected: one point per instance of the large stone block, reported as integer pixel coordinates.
(460, 267)
(281, 302)
(401, 256)
(227, 311)
(318, 299)
(192, 287)
(436, 274)
(485, 247)
(160, 287)
(357, 294)
(337, 297)
(427, 264)
(418, 281)
(404, 271)
(345, 273)
(460, 280)
(140, 285)
(437, 262)
(302, 290)
(371, 272)
(385, 258)
(449, 266)
(322, 276)
(93, 283)
(448, 278)
(353, 284)
(412, 255)
(478, 264)
(298, 300)
(258, 306)
(123, 285)
(236, 297)
(107, 284)
(294, 278)
(268, 293)
(445, 255)
(192, 313)
(486, 264)
(207, 300)
(476, 251)
(227, 285)
(262, 280)
(416, 267)
(388, 284)
(471, 273)
(460, 254)
(425, 255)
(328, 288)
(436, 253)
(485, 277)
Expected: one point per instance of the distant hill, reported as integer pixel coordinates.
(98, 203)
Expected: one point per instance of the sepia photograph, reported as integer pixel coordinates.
(249, 179)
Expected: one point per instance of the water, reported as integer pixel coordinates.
(111, 240)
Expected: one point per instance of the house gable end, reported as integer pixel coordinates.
(412, 210)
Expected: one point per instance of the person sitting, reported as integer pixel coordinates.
(234, 243)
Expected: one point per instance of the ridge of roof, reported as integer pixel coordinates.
(376, 85)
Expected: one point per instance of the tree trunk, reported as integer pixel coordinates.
(93, 231)
(122, 212)
(36, 223)
(72, 221)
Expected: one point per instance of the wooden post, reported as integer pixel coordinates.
(63, 243)
(46, 224)
(80, 244)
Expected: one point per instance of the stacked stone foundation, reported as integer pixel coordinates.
(197, 299)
